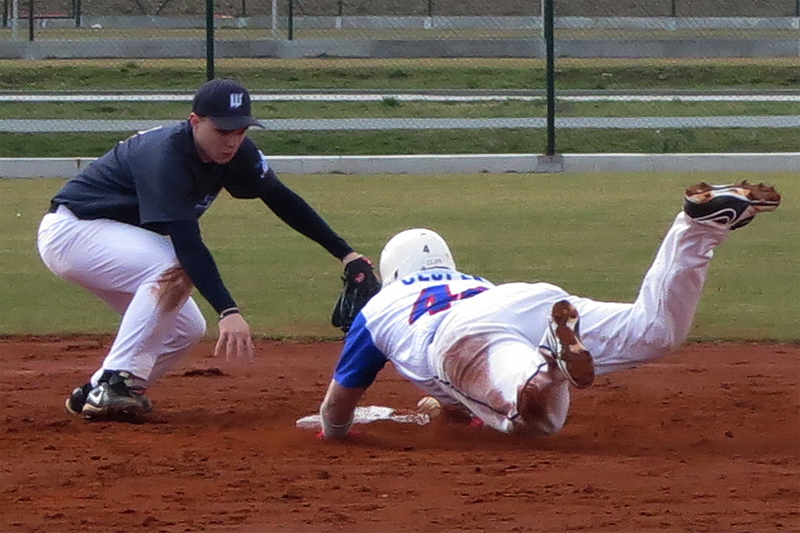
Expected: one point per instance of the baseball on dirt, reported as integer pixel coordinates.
(429, 406)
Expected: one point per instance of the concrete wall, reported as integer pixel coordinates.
(310, 48)
(465, 164)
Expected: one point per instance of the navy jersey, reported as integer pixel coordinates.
(157, 176)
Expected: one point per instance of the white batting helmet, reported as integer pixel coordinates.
(411, 251)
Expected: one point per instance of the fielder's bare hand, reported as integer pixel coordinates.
(235, 339)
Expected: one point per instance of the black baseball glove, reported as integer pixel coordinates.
(360, 284)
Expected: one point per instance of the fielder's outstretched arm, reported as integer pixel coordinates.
(336, 412)
(293, 210)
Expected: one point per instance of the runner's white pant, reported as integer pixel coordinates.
(136, 272)
(487, 348)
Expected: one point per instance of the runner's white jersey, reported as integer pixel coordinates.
(399, 323)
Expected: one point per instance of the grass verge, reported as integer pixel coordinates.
(413, 142)
(400, 74)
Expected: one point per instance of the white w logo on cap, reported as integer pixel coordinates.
(236, 100)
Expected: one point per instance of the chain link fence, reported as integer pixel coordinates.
(457, 76)
(396, 8)
(382, 19)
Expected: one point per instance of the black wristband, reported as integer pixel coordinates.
(229, 311)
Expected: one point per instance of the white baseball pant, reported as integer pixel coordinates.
(136, 272)
(487, 348)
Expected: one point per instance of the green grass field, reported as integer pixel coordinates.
(401, 74)
(414, 142)
(594, 235)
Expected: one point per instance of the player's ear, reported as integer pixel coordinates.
(194, 119)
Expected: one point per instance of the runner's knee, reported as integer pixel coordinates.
(539, 406)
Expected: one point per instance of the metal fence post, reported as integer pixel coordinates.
(30, 20)
(291, 19)
(14, 19)
(551, 73)
(76, 12)
(209, 40)
(274, 10)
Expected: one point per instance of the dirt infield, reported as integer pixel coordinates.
(707, 440)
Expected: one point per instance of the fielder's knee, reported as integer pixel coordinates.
(191, 326)
(196, 331)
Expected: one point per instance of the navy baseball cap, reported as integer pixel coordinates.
(226, 103)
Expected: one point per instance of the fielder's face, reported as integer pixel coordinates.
(214, 144)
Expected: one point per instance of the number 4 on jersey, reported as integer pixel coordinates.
(438, 298)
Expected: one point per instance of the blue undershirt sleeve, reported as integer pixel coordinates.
(360, 360)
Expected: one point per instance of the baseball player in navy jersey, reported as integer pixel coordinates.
(126, 229)
(508, 354)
